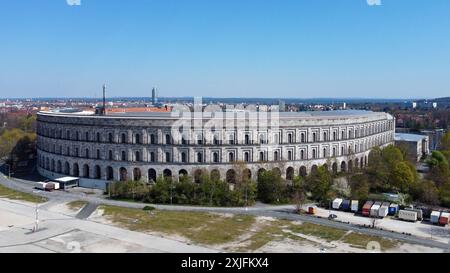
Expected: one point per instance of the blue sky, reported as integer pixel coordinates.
(225, 48)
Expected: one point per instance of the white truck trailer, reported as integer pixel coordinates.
(407, 215)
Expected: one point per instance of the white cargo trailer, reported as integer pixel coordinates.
(407, 215)
(41, 186)
(434, 217)
(383, 211)
(355, 205)
(374, 210)
(337, 203)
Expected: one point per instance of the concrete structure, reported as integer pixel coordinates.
(145, 145)
(435, 136)
(416, 145)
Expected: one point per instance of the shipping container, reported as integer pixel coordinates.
(41, 185)
(393, 208)
(337, 203)
(384, 210)
(355, 205)
(434, 218)
(346, 205)
(443, 220)
(419, 213)
(407, 215)
(374, 210)
(366, 208)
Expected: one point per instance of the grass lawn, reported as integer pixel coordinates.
(16, 195)
(327, 233)
(76, 205)
(361, 240)
(199, 227)
(214, 229)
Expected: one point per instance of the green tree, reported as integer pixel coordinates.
(359, 187)
(428, 192)
(319, 183)
(271, 187)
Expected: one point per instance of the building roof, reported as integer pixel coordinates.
(409, 137)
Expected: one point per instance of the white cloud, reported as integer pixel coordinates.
(374, 2)
(73, 2)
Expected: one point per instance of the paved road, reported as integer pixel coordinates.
(280, 212)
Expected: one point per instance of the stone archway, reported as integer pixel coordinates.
(109, 173)
(137, 175)
(215, 175)
(123, 174)
(231, 176)
(303, 171)
(290, 174)
(343, 166)
(151, 175)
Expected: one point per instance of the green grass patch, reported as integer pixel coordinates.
(16, 195)
(327, 233)
(76, 205)
(199, 227)
(359, 240)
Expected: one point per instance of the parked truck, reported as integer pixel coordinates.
(41, 186)
(374, 209)
(444, 219)
(337, 203)
(407, 215)
(366, 208)
(346, 205)
(355, 205)
(419, 213)
(384, 210)
(434, 218)
(56, 185)
(393, 209)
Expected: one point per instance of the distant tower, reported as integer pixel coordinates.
(102, 109)
(154, 96)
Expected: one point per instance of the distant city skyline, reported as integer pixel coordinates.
(222, 49)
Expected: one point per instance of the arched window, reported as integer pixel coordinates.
(152, 157)
(168, 139)
(314, 137)
(276, 156)
(199, 157)
(168, 157)
(110, 155)
(247, 139)
(290, 138)
(137, 138)
(325, 136)
(302, 137)
(324, 152)
(137, 156)
(246, 157)
(231, 157)
(314, 154)
(124, 156)
(216, 157)
(87, 153)
(152, 139)
(86, 136)
(98, 137)
(110, 138)
(183, 157)
(289, 155)
(261, 156)
(302, 154)
(98, 154)
(124, 138)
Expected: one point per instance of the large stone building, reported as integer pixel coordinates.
(143, 146)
